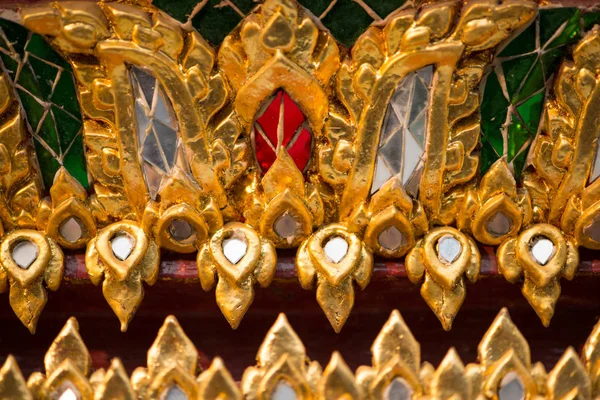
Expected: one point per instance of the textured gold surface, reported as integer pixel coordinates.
(282, 359)
(216, 96)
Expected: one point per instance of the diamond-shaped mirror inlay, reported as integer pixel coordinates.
(71, 230)
(281, 123)
(511, 387)
(283, 391)
(122, 246)
(398, 389)
(25, 253)
(174, 393)
(448, 249)
(157, 130)
(68, 394)
(336, 249)
(403, 135)
(542, 249)
(67, 391)
(234, 249)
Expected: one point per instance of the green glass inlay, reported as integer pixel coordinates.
(33, 108)
(74, 158)
(47, 132)
(48, 95)
(214, 23)
(488, 155)
(590, 19)
(534, 82)
(525, 45)
(383, 8)
(68, 127)
(518, 136)
(16, 35)
(551, 19)
(45, 75)
(515, 71)
(527, 72)
(347, 20)
(531, 111)
(317, 7)
(493, 99)
(48, 163)
(179, 9)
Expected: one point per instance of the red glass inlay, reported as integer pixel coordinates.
(295, 134)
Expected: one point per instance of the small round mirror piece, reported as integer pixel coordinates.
(180, 230)
(391, 238)
(286, 226)
(499, 224)
(122, 246)
(283, 391)
(336, 249)
(542, 249)
(398, 389)
(234, 249)
(448, 249)
(71, 230)
(25, 253)
(511, 387)
(174, 393)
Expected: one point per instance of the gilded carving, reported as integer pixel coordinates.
(236, 257)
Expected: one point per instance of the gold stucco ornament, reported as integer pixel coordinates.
(441, 260)
(542, 255)
(503, 369)
(28, 259)
(336, 258)
(125, 256)
(234, 259)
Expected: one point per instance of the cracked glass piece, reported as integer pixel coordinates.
(69, 393)
(71, 230)
(542, 249)
(398, 389)
(515, 90)
(283, 391)
(174, 393)
(122, 246)
(448, 249)
(234, 249)
(499, 224)
(391, 238)
(511, 387)
(45, 86)
(25, 253)
(593, 229)
(336, 249)
(180, 230)
(402, 137)
(157, 129)
(281, 123)
(286, 226)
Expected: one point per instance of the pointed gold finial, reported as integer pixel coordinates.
(501, 337)
(68, 345)
(568, 379)
(217, 383)
(449, 380)
(337, 381)
(172, 348)
(116, 384)
(12, 383)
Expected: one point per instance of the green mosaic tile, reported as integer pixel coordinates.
(590, 19)
(180, 10)
(347, 20)
(45, 75)
(317, 7)
(488, 155)
(384, 7)
(48, 163)
(45, 85)
(214, 23)
(527, 44)
(527, 72)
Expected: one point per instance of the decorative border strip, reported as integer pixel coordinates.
(504, 370)
(214, 180)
